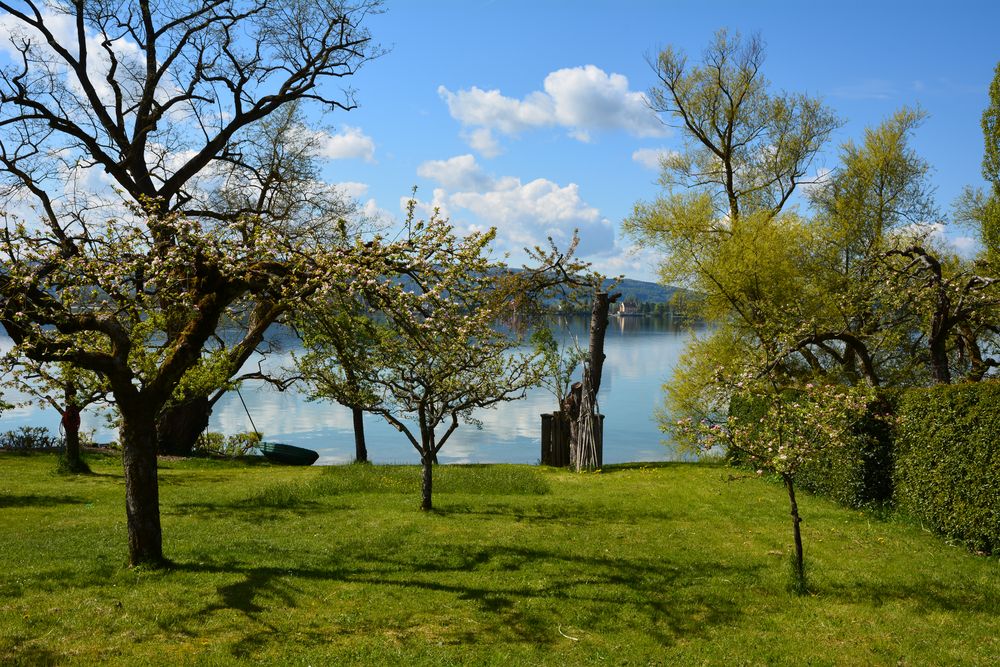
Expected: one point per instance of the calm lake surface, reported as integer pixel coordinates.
(641, 353)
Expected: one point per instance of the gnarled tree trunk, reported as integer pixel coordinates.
(598, 329)
(179, 425)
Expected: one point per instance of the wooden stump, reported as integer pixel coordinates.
(556, 440)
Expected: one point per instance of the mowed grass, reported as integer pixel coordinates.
(669, 564)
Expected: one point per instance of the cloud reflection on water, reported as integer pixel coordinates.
(641, 353)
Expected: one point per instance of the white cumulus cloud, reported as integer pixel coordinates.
(580, 99)
(458, 173)
(349, 143)
(524, 213)
(650, 158)
(352, 189)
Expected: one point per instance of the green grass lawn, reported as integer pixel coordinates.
(671, 564)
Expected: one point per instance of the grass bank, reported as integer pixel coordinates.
(671, 564)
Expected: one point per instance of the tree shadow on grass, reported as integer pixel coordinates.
(39, 501)
(517, 594)
(17, 651)
(96, 575)
(927, 593)
(566, 514)
(245, 511)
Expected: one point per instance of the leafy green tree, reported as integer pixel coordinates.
(131, 281)
(990, 214)
(981, 208)
(877, 199)
(720, 223)
(347, 336)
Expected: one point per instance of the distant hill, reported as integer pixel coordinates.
(643, 291)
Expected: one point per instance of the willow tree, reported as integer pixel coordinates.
(745, 152)
(720, 224)
(117, 123)
(878, 198)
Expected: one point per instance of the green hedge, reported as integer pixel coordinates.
(947, 468)
(857, 475)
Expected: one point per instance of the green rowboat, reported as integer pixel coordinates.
(288, 454)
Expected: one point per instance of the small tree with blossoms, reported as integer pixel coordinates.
(441, 343)
(791, 426)
(68, 390)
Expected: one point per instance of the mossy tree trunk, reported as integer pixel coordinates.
(179, 426)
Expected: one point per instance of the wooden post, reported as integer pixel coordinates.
(555, 439)
(547, 440)
(599, 439)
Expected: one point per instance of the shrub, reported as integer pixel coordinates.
(856, 475)
(27, 438)
(947, 470)
(216, 444)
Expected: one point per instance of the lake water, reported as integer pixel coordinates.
(641, 353)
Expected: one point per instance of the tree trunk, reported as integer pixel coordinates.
(179, 426)
(598, 329)
(360, 449)
(142, 495)
(939, 359)
(74, 463)
(428, 465)
(71, 433)
(799, 562)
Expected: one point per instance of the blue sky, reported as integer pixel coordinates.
(530, 116)
(527, 116)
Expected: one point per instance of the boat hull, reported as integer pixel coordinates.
(288, 454)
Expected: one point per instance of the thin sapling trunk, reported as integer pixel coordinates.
(798, 565)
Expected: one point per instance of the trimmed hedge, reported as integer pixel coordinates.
(947, 468)
(857, 475)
